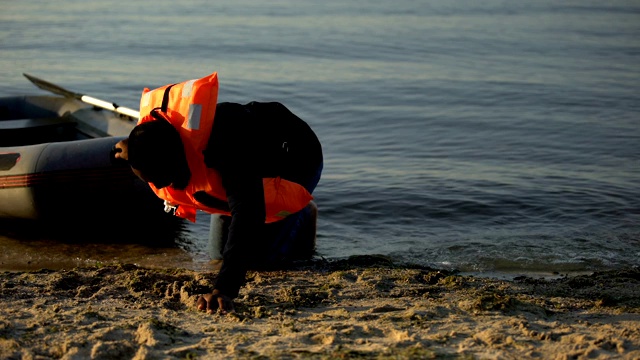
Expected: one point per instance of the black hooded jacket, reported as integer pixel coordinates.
(248, 143)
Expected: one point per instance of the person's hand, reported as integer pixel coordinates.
(214, 302)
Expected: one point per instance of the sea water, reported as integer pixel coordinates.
(484, 136)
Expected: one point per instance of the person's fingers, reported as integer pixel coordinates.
(206, 303)
(223, 309)
(226, 305)
(201, 305)
(214, 302)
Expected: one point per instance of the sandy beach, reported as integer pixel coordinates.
(361, 308)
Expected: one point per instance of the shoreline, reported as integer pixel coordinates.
(362, 307)
(182, 260)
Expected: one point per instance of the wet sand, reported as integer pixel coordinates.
(361, 308)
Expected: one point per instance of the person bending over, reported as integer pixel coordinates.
(257, 164)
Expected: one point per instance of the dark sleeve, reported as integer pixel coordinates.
(245, 195)
(232, 153)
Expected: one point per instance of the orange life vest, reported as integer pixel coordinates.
(190, 107)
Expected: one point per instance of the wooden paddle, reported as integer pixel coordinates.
(45, 85)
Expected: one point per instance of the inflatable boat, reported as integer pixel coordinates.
(56, 169)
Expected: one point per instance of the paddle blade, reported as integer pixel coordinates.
(45, 85)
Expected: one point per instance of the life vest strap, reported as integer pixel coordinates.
(165, 99)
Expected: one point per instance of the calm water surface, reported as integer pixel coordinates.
(494, 137)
